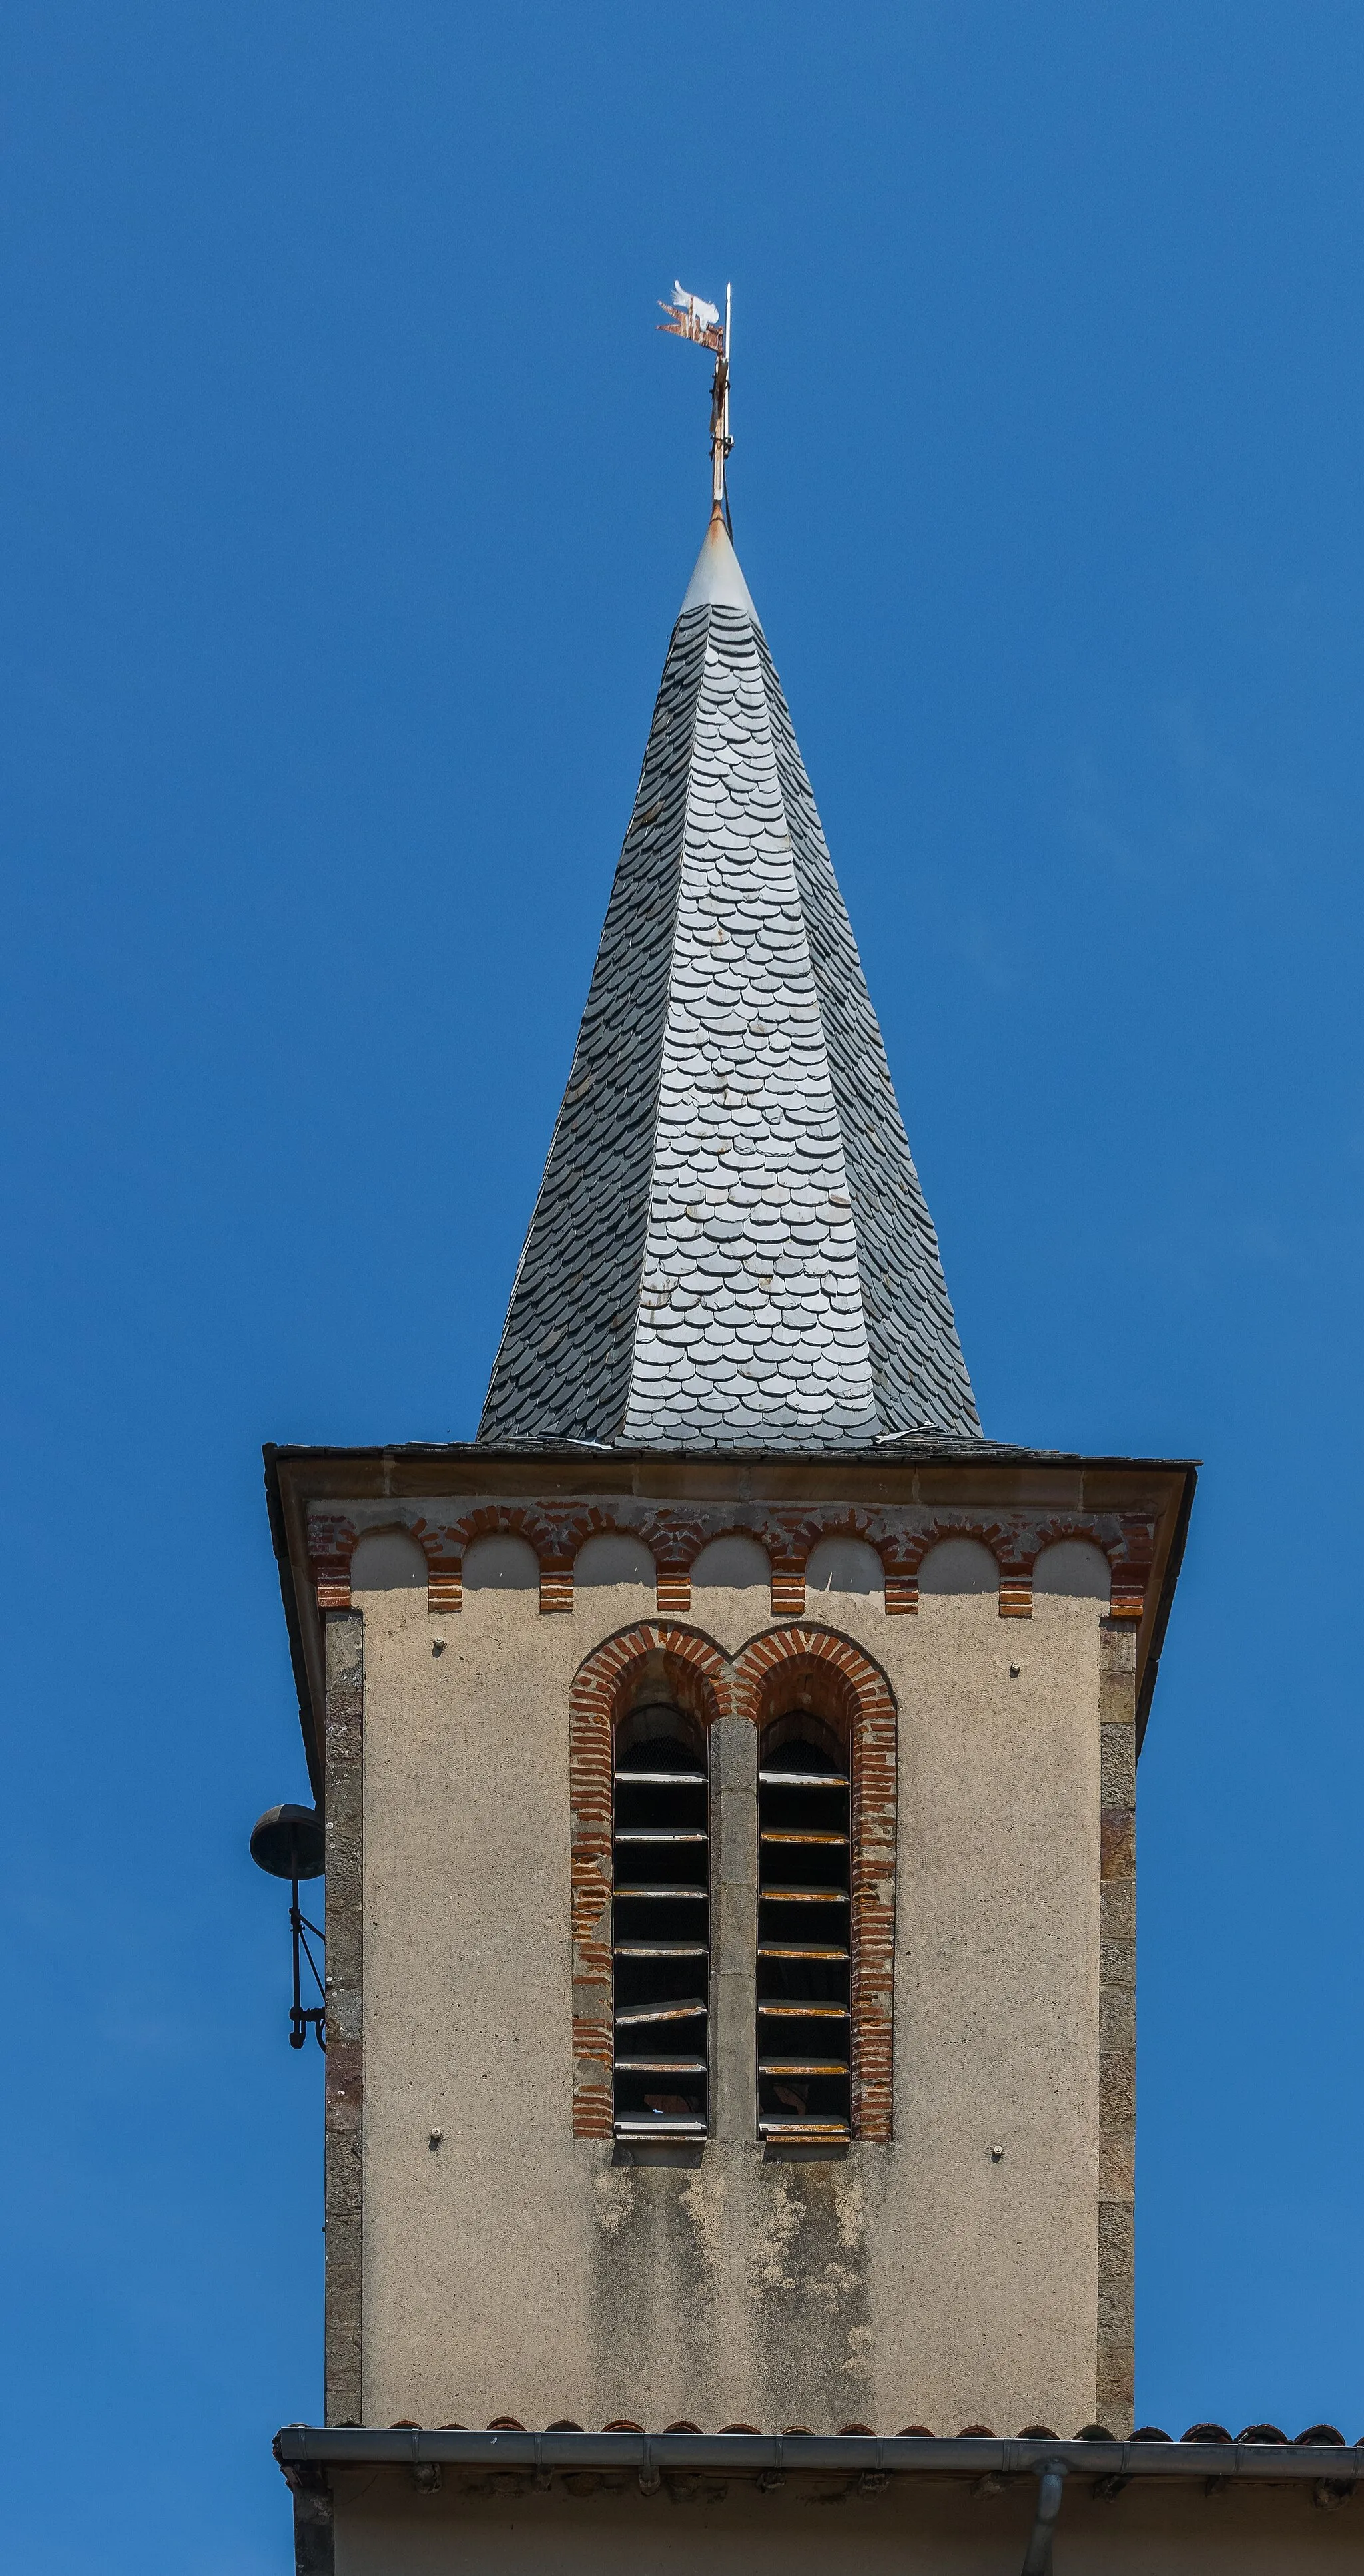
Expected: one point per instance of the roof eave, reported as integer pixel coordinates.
(380, 1471)
(300, 2447)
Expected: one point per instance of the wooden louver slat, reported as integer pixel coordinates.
(661, 1936)
(804, 1855)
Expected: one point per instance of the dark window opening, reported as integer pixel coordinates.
(804, 1918)
(661, 1925)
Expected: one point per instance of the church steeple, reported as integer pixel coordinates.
(730, 1247)
(615, 1913)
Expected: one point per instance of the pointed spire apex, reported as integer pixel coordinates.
(717, 581)
(730, 1248)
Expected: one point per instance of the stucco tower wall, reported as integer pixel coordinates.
(513, 2269)
(1117, 2020)
(344, 2085)
(343, 2177)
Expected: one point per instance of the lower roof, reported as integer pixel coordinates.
(1318, 2456)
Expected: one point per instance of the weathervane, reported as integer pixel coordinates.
(691, 318)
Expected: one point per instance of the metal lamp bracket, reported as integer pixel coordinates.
(289, 1842)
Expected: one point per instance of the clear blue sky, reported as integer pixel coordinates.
(348, 497)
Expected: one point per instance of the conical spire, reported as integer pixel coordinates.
(730, 1248)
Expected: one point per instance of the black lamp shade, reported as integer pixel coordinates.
(289, 1843)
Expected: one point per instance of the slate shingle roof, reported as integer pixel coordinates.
(730, 1247)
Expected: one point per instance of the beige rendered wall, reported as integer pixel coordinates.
(916, 2528)
(515, 2271)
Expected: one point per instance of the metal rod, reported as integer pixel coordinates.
(301, 2017)
(729, 343)
(720, 440)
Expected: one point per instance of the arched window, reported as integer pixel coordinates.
(804, 1938)
(661, 1924)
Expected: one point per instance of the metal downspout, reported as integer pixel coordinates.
(1051, 2487)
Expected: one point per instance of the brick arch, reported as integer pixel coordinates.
(1126, 1539)
(333, 1539)
(564, 1532)
(1130, 1551)
(444, 1548)
(396, 1527)
(676, 1542)
(695, 1667)
(1001, 1541)
(791, 1542)
(902, 1553)
(572, 1529)
(331, 1545)
(675, 1538)
(758, 1527)
(857, 1689)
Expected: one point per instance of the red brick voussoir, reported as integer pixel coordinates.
(861, 1699)
(697, 1672)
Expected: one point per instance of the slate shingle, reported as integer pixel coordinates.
(729, 1173)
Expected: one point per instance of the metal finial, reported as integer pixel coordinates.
(690, 317)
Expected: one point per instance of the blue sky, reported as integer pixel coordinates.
(348, 496)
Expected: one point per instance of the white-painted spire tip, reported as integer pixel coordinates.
(717, 580)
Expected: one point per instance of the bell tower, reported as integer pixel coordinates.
(728, 1770)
